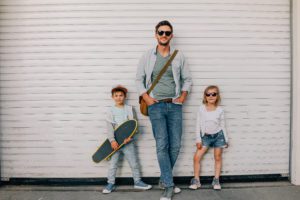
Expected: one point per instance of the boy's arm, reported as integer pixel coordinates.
(135, 117)
(110, 131)
(109, 125)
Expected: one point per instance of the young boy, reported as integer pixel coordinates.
(116, 115)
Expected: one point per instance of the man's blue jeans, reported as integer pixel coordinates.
(166, 120)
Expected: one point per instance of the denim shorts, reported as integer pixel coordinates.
(216, 140)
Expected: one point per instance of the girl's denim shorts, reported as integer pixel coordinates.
(216, 140)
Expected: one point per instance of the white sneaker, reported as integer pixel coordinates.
(195, 184)
(168, 194)
(216, 184)
(176, 189)
(142, 186)
(109, 188)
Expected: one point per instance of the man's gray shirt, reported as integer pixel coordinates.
(181, 73)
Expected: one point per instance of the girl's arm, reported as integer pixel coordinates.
(222, 123)
(198, 128)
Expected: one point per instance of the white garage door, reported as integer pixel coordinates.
(60, 58)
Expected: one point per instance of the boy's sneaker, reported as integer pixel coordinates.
(109, 188)
(216, 184)
(142, 186)
(195, 184)
(168, 193)
(176, 189)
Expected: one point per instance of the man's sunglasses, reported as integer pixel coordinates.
(211, 94)
(161, 33)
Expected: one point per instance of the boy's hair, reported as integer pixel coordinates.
(218, 101)
(119, 88)
(163, 23)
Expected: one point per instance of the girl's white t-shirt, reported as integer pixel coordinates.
(212, 122)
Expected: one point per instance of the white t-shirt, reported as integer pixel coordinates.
(212, 122)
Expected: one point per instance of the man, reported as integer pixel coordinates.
(165, 101)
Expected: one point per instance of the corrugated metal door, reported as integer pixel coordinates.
(60, 58)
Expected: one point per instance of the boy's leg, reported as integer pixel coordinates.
(218, 161)
(113, 166)
(130, 155)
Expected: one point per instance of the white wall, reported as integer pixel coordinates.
(295, 162)
(59, 59)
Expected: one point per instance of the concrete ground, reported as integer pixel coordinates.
(230, 191)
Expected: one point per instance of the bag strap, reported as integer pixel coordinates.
(162, 71)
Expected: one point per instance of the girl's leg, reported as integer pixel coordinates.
(197, 158)
(218, 161)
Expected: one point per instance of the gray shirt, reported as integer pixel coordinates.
(180, 70)
(165, 88)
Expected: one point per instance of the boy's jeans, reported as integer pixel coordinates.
(166, 120)
(130, 155)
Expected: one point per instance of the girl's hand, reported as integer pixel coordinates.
(199, 145)
(127, 140)
(227, 145)
(114, 145)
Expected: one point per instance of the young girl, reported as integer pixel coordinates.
(210, 132)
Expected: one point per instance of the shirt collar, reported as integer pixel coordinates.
(171, 50)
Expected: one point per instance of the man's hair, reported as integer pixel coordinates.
(163, 23)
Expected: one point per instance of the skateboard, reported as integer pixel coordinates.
(125, 130)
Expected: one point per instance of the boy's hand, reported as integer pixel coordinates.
(127, 140)
(114, 145)
(199, 145)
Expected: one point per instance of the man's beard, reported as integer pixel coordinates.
(164, 44)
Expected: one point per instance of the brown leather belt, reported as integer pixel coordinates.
(168, 100)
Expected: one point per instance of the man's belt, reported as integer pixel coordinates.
(168, 100)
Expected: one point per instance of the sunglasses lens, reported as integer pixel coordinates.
(160, 33)
(168, 33)
(211, 94)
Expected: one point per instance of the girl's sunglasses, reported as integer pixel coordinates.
(161, 33)
(211, 94)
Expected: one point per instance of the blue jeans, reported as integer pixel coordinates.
(166, 120)
(129, 151)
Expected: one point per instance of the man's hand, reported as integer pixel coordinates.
(114, 145)
(127, 140)
(149, 100)
(199, 145)
(182, 97)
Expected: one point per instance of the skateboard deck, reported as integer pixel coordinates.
(125, 130)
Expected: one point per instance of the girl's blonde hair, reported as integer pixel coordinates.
(218, 101)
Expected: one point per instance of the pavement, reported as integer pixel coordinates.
(282, 190)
